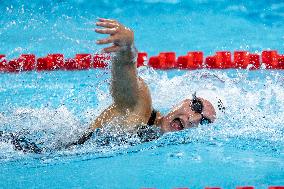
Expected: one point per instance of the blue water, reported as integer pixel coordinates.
(243, 147)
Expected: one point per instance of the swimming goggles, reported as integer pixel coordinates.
(197, 106)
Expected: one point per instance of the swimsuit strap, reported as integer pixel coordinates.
(152, 118)
(85, 137)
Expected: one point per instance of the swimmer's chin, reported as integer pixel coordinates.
(163, 124)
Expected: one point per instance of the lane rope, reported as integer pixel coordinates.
(268, 59)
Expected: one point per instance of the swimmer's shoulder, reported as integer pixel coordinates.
(131, 117)
(141, 111)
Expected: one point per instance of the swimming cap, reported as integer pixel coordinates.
(216, 99)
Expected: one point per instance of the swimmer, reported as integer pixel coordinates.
(131, 96)
(132, 103)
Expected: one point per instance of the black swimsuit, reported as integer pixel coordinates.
(146, 133)
(20, 143)
(152, 118)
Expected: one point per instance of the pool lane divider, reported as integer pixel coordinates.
(238, 187)
(268, 59)
(29, 62)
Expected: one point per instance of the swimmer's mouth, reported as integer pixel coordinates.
(176, 124)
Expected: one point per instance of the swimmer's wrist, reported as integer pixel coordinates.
(127, 54)
(128, 48)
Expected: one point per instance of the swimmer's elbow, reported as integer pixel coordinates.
(125, 103)
(98, 123)
(126, 98)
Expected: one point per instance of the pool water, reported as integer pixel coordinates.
(245, 146)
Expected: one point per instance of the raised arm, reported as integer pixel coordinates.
(129, 92)
(125, 84)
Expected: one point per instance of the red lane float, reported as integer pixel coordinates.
(42, 64)
(269, 59)
(141, 59)
(165, 60)
(55, 61)
(193, 60)
(254, 61)
(80, 62)
(281, 61)
(51, 62)
(2, 62)
(70, 64)
(241, 59)
(210, 62)
(26, 62)
(223, 60)
(101, 60)
(83, 61)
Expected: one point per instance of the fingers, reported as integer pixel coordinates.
(111, 27)
(111, 49)
(105, 41)
(110, 31)
(107, 20)
(107, 24)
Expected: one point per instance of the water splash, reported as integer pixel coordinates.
(252, 120)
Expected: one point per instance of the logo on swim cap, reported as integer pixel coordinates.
(221, 106)
(215, 98)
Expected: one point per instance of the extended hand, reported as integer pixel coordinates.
(120, 36)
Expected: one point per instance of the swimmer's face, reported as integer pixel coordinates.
(183, 116)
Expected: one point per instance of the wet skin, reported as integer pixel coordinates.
(183, 117)
(131, 96)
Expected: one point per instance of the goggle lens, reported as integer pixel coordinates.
(197, 106)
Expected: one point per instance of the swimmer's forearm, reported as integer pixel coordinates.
(124, 86)
(126, 55)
